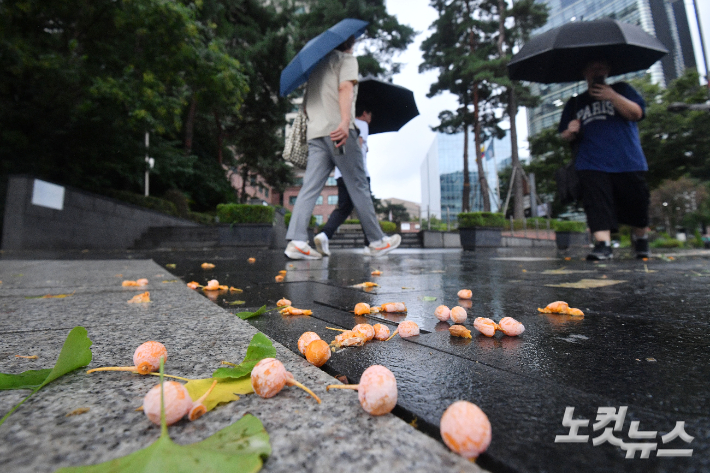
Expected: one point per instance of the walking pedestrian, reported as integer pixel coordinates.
(363, 117)
(332, 141)
(610, 163)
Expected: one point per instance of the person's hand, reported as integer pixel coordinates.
(340, 134)
(602, 92)
(573, 127)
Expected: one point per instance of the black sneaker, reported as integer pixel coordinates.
(642, 250)
(601, 251)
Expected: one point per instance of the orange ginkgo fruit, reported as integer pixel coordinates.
(485, 325)
(367, 331)
(176, 400)
(283, 302)
(442, 313)
(393, 307)
(193, 285)
(511, 327)
(251, 260)
(465, 294)
(458, 315)
(465, 429)
(406, 329)
(318, 353)
(305, 339)
(459, 331)
(377, 391)
(146, 359)
(269, 377)
(144, 297)
(382, 332)
(362, 308)
(207, 266)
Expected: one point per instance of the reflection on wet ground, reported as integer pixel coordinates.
(642, 343)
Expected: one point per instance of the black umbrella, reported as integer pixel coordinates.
(560, 54)
(392, 106)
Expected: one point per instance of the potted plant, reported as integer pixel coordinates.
(569, 233)
(480, 229)
(245, 225)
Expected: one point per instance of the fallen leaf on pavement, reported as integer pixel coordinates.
(588, 283)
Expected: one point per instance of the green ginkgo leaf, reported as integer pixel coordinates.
(75, 353)
(249, 315)
(259, 348)
(239, 448)
(29, 379)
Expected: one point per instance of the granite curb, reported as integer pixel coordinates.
(39, 437)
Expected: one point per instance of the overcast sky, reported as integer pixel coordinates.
(394, 158)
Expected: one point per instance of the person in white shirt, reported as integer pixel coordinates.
(345, 204)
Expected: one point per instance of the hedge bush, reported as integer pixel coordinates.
(150, 202)
(569, 226)
(201, 218)
(480, 219)
(245, 213)
(388, 227)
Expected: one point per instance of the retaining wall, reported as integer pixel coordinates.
(42, 215)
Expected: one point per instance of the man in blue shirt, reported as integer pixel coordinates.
(610, 163)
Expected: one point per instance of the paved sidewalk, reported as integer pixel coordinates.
(334, 436)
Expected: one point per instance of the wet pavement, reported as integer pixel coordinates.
(643, 343)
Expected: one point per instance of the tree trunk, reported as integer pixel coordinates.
(479, 160)
(243, 193)
(220, 137)
(518, 207)
(466, 194)
(190, 124)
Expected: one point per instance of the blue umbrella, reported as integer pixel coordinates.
(298, 70)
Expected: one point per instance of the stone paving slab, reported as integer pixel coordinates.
(305, 436)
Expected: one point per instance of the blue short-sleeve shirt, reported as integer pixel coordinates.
(608, 142)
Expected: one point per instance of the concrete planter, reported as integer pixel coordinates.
(566, 240)
(480, 237)
(434, 239)
(245, 234)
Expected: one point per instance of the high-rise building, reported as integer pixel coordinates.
(442, 175)
(664, 19)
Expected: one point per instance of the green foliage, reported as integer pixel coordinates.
(240, 447)
(81, 82)
(480, 219)
(150, 202)
(245, 213)
(388, 227)
(256, 313)
(397, 211)
(259, 348)
(666, 243)
(676, 144)
(569, 226)
(75, 353)
(29, 379)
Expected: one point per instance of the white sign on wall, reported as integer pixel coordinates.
(45, 194)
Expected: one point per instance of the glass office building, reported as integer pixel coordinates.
(664, 19)
(442, 175)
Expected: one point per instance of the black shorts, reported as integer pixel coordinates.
(611, 199)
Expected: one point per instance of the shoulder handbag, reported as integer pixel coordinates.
(296, 149)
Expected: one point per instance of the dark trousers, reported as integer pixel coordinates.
(340, 214)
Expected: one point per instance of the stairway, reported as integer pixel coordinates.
(355, 238)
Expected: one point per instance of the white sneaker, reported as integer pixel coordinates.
(300, 250)
(384, 246)
(366, 251)
(321, 241)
